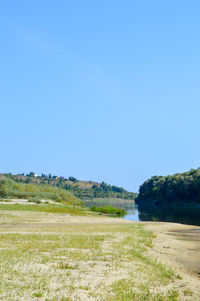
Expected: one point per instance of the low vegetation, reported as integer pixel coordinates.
(79, 262)
(50, 208)
(43, 195)
(11, 189)
(121, 203)
(109, 210)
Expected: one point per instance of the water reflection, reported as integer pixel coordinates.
(149, 212)
(176, 214)
(132, 213)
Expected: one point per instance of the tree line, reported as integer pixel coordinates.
(81, 189)
(180, 187)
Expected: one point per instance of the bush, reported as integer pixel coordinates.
(35, 200)
(109, 210)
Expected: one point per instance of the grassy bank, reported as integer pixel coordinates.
(50, 208)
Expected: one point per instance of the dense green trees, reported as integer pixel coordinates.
(181, 187)
(72, 179)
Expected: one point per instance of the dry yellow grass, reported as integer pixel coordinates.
(46, 256)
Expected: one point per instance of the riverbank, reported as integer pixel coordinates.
(179, 245)
(47, 256)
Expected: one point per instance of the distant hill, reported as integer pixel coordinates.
(180, 187)
(81, 189)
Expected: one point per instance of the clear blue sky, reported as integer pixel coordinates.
(100, 90)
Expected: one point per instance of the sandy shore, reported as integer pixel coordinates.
(179, 245)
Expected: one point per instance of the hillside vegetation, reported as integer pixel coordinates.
(80, 189)
(11, 189)
(180, 187)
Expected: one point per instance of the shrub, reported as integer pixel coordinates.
(109, 210)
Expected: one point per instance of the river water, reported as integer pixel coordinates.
(168, 213)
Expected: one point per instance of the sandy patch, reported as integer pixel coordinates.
(179, 245)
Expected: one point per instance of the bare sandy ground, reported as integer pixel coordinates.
(21, 220)
(179, 245)
(62, 218)
(25, 201)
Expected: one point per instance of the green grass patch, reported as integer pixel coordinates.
(49, 208)
(126, 289)
(114, 211)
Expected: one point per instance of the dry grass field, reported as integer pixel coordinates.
(57, 256)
